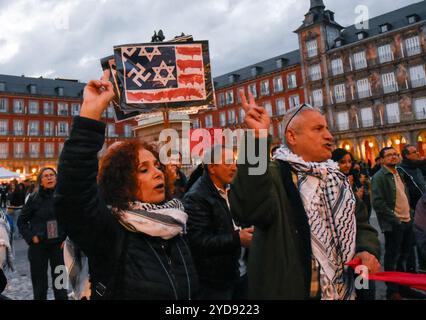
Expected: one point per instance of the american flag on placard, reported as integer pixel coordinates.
(164, 73)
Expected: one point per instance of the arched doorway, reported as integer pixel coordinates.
(397, 141)
(421, 143)
(369, 150)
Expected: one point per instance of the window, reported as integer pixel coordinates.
(363, 87)
(389, 83)
(4, 127)
(412, 46)
(278, 84)
(62, 109)
(291, 81)
(60, 91)
(3, 105)
(33, 107)
(18, 127)
(110, 112)
(336, 66)
(34, 149)
(281, 130)
(315, 72)
(280, 104)
(33, 89)
(343, 121)
(294, 101)
(128, 130)
(340, 93)
(222, 119)
(49, 150)
(271, 129)
(4, 150)
(312, 48)
(359, 60)
(48, 108)
(221, 99)
(48, 128)
(18, 106)
(361, 35)
(18, 150)
(392, 112)
(33, 128)
(420, 108)
(229, 97)
(417, 76)
(209, 121)
(317, 97)
(264, 88)
(238, 94)
(2, 86)
(111, 130)
(231, 117)
(62, 128)
(385, 53)
(268, 108)
(75, 109)
(252, 89)
(384, 28)
(242, 115)
(367, 117)
(412, 19)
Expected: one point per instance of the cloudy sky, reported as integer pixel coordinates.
(66, 38)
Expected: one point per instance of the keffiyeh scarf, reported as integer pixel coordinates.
(6, 256)
(330, 206)
(165, 221)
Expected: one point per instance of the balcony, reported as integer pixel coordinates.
(19, 155)
(49, 155)
(390, 88)
(367, 123)
(3, 155)
(340, 99)
(364, 94)
(393, 119)
(34, 155)
(420, 115)
(413, 51)
(386, 58)
(418, 82)
(343, 126)
(48, 133)
(18, 132)
(315, 76)
(33, 133)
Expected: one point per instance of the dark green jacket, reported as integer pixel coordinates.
(280, 254)
(383, 190)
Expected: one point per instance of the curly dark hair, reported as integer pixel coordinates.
(117, 176)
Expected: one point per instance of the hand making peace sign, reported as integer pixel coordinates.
(256, 117)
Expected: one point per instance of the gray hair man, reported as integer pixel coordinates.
(303, 210)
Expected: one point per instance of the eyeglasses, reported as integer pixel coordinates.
(392, 155)
(297, 111)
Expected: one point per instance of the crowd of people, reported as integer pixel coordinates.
(131, 227)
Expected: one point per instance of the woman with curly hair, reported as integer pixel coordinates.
(118, 216)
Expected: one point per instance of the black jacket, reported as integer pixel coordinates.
(36, 214)
(214, 243)
(415, 182)
(123, 265)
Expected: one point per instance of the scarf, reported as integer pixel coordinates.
(330, 206)
(165, 221)
(6, 256)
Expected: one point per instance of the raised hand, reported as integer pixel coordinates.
(256, 117)
(97, 96)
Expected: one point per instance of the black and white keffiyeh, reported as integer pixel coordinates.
(330, 206)
(165, 221)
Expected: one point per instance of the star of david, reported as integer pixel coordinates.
(149, 55)
(160, 78)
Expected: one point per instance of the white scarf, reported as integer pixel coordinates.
(165, 221)
(330, 206)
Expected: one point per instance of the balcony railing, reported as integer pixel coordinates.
(364, 94)
(413, 51)
(420, 115)
(390, 88)
(3, 155)
(343, 126)
(19, 155)
(34, 155)
(418, 82)
(386, 58)
(393, 119)
(340, 99)
(367, 123)
(49, 154)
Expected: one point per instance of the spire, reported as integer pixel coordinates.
(316, 4)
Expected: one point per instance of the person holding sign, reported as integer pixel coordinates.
(303, 210)
(118, 215)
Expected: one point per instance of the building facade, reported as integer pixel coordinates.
(369, 78)
(35, 119)
(275, 83)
